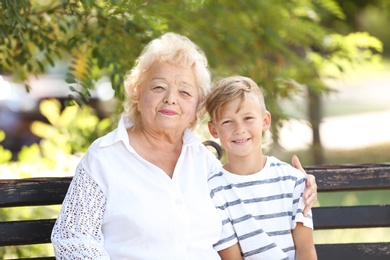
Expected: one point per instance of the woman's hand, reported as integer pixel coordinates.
(310, 193)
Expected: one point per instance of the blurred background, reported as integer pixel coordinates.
(324, 67)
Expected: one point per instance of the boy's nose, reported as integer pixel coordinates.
(239, 129)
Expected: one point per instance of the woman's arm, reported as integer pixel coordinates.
(304, 244)
(231, 253)
(77, 233)
(310, 193)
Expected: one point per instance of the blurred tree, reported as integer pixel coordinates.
(98, 37)
(364, 15)
(281, 44)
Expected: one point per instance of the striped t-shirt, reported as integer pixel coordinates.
(260, 210)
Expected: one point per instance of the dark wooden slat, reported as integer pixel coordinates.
(351, 177)
(351, 217)
(26, 232)
(33, 191)
(366, 251)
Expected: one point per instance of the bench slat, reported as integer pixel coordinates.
(351, 177)
(38, 231)
(366, 251)
(26, 232)
(24, 192)
(351, 217)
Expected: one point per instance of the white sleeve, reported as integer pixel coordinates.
(213, 163)
(228, 235)
(299, 205)
(77, 233)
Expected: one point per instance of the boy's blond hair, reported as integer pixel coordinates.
(229, 89)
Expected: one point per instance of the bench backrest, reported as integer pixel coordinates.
(361, 177)
(51, 191)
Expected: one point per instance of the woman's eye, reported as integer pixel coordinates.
(186, 93)
(158, 88)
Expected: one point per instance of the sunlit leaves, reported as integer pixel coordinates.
(340, 53)
(332, 7)
(5, 154)
(35, 34)
(274, 42)
(70, 129)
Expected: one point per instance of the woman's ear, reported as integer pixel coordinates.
(212, 129)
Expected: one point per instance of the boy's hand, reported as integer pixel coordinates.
(310, 193)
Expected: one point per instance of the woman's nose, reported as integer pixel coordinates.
(170, 97)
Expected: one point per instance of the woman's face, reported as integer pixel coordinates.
(168, 97)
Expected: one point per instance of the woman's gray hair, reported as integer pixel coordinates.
(177, 50)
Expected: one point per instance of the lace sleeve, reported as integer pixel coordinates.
(77, 233)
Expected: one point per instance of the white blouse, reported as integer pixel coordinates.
(120, 206)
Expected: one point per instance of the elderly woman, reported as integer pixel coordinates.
(140, 192)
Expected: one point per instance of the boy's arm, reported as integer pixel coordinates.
(310, 193)
(231, 253)
(304, 244)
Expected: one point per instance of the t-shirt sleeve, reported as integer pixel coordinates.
(77, 233)
(298, 205)
(228, 236)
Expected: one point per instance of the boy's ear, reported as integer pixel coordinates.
(212, 129)
(266, 121)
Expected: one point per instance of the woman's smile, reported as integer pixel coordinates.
(168, 112)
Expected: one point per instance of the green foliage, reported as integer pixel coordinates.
(265, 40)
(283, 45)
(5, 155)
(99, 37)
(71, 130)
(344, 52)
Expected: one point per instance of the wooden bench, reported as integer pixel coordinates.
(51, 191)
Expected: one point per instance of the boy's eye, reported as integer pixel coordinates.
(249, 118)
(226, 122)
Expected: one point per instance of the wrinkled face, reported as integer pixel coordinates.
(168, 97)
(240, 126)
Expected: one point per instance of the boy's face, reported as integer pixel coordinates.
(240, 126)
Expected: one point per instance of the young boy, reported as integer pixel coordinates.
(258, 197)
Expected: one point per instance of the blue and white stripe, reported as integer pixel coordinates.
(260, 210)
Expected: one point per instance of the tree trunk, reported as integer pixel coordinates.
(315, 117)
